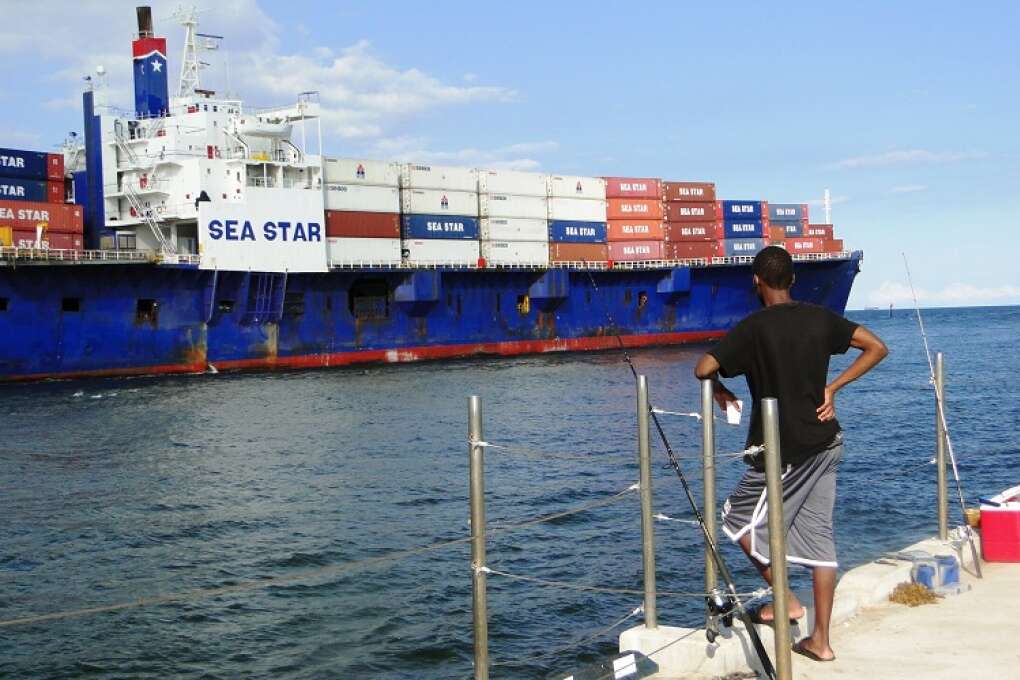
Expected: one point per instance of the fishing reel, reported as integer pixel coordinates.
(720, 606)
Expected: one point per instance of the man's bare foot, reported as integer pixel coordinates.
(767, 615)
(814, 651)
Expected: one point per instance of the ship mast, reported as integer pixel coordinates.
(827, 203)
(190, 65)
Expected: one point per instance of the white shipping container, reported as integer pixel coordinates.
(514, 229)
(363, 250)
(439, 202)
(511, 205)
(353, 171)
(362, 198)
(512, 182)
(577, 209)
(516, 252)
(415, 176)
(440, 251)
(565, 186)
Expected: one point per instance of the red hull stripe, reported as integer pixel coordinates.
(406, 354)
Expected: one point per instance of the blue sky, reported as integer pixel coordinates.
(906, 111)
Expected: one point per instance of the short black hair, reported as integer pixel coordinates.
(774, 267)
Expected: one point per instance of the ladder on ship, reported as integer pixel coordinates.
(266, 292)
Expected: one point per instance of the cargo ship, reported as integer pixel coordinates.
(195, 234)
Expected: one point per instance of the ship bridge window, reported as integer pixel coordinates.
(369, 299)
(3, 304)
(293, 303)
(146, 311)
(70, 304)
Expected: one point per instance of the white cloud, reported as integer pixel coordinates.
(952, 295)
(908, 188)
(907, 156)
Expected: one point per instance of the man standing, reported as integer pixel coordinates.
(783, 350)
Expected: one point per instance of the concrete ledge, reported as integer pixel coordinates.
(686, 652)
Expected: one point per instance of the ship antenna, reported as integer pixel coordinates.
(827, 203)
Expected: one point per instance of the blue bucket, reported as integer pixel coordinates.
(948, 570)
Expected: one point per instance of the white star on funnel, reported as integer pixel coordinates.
(156, 66)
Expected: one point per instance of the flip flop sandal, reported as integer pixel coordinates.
(798, 648)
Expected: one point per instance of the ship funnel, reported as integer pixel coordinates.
(152, 92)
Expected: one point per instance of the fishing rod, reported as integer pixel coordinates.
(717, 604)
(940, 408)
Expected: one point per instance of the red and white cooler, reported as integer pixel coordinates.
(1000, 526)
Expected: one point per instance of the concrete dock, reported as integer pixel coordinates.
(969, 635)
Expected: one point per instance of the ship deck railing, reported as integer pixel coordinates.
(67, 255)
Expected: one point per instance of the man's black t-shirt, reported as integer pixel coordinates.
(784, 351)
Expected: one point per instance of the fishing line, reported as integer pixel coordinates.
(940, 407)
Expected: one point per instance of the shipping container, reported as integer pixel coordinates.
(631, 251)
(832, 245)
(56, 217)
(804, 245)
(515, 252)
(702, 192)
(352, 171)
(741, 247)
(823, 231)
(362, 198)
(54, 241)
(31, 165)
(788, 212)
(741, 210)
(440, 251)
(791, 229)
(744, 229)
(694, 231)
(561, 186)
(513, 205)
(777, 233)
(361, 225)
(445, 227)
(568, 231)
(635, 230)
(633, 209)
(368, 251)
(677, 211)
(578, 252)
(512, 182)
(55, 166)
(633, 187)
(38, 191)
(694, 250)
(514, 229)
(415, 176)
(438, 202)
(577, 209)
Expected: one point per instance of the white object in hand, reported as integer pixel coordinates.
(733, 411)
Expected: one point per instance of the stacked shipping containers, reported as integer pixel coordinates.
(362, 211)
(440, 214)
(693, 224)
(787, 220)
(514, 210)
(745, 227)
(635, 228)
(577, 219)
(33, 213)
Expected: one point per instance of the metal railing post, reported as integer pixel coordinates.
(647, 527)
(479, 601)
(942, 492)
(777, 538)
(708, 468)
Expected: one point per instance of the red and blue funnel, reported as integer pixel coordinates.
(152, 93)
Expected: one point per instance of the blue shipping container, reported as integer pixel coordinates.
(23, 164)
(743, 246)
(787, 211)
(569, 231)
(743, 229)
(440, 226)
(792, 229)
(740, 210)
(23, 190)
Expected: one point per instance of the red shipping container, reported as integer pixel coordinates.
(695, 231)
(633, 209)
(819, 231)
(635, 230)
(26, 239)
(833, 245)
(804, 245)
(55, 191)
(350, 224)
(631, 251)
(681, 211)
(578, 252)
(633, 187)
(688, 191)
(55, 166)
(26, 215)
(695, 250)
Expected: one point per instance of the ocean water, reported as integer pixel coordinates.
(115, 491)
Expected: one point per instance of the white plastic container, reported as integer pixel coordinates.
(513, 205)
(516, 252)
(577, 209)
(362, 198)
(439, 202)
(570, 186)
(514, 229)
(355, 171)
(416, 176)
(512, 182)
(440, 251)
(367, 251)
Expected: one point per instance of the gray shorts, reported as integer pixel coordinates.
(809, 492)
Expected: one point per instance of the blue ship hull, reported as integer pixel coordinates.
(63, 321)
